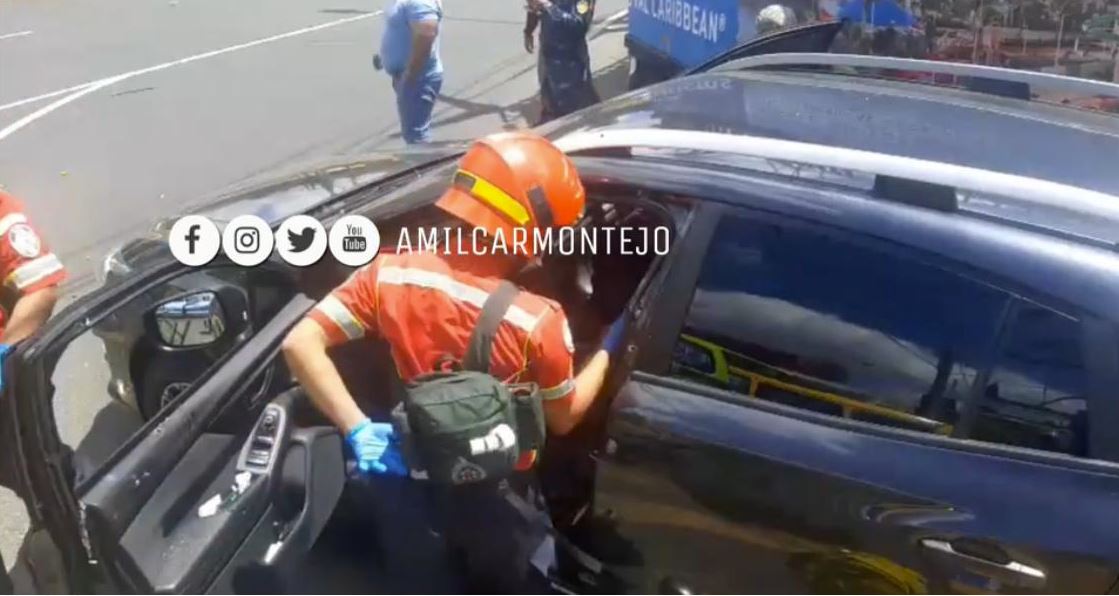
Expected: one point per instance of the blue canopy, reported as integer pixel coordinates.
(880, 13)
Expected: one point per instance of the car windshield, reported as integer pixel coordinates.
(909, 84)
(1055, 53)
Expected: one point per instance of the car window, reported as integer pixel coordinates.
(122, 371)
(815, 320)
(1035, 396)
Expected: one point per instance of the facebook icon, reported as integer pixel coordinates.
(194, 240)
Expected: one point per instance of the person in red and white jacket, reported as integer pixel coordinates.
(29, 276)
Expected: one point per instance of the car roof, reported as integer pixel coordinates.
(1062, 272)
(950, 125)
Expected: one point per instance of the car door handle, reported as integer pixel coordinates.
(1028, 575)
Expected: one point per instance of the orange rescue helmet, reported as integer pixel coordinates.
(515, 180)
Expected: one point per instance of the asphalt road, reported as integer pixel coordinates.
(116, 113)
(107, 163)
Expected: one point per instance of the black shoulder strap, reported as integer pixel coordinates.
(485, 330)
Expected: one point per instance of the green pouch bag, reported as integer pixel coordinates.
(466, 426)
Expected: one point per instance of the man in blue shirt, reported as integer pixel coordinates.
(410, 54)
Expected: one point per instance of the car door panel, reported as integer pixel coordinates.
(214, 519)
(177, 508)
(172, 544)
(179, 533)
(47, 471)
(178, 546)
(304, 496)
(723, 496)
(146, 463)
(311, 482)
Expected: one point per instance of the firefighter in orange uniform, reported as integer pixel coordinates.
(31, 274)
(425, 306)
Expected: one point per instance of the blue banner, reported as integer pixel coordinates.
(691, 32)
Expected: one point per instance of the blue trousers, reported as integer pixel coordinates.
(415, 101)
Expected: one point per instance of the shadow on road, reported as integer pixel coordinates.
(519, 23)
(344, 11)
(610, 81)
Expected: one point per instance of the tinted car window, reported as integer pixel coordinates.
(1035, 396)
(822, 322)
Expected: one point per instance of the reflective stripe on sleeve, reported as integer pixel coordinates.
(337, 312)
(10, 220)
(455, 289)
(34, 271)
(558, 391)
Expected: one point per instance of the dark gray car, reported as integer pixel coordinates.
(880, 356)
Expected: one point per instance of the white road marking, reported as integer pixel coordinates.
(16, 104)
(19, 34)
(610, 20)
(43, 111)
(83, 89)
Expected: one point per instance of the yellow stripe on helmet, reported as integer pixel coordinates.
(493, 196)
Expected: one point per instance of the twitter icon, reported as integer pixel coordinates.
(301, 240)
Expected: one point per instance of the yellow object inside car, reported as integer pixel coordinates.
(743, 374)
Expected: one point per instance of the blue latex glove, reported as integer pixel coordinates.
(5, 349)
(393, 460)
(376, 448)
(615, 336)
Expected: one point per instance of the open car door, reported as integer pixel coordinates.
(224, 488)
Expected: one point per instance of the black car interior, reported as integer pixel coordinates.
(242, 468)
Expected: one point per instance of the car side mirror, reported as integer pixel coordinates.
(197, 319)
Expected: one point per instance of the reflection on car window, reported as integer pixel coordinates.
(805, 319)
(1076, 39)
(1035, 395)
(114, 377)
(411, 193)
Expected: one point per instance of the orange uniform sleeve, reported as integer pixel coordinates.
(553, 366)
(350, 311)
(26, 262)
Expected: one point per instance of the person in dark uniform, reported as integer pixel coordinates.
(564, 65)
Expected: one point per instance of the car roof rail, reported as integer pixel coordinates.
(1025, 79)
(902, 174)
